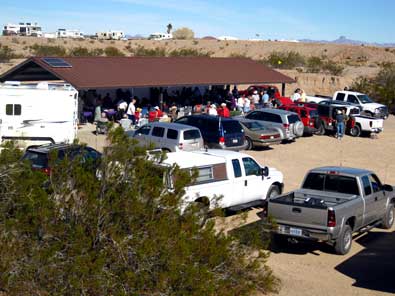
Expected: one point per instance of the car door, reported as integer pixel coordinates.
(156, 139)
(238, 184)
(253, 181)
(370, 203)
(142, 134)
(380, 200)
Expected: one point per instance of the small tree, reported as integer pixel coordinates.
(121, 234)
(112, 51)
(183, 34)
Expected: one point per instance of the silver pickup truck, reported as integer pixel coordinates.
(332, 203)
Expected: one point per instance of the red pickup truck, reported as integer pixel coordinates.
(272, 90)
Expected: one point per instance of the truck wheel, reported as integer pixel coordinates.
(320, 128)
(389, 217)
(344, 241)
(249, 144)
(355, 131)
(273, 192)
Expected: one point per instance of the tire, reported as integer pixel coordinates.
(389, 217)
(249, 144)
(298, 128)
(274, 191)
(201, 211)
(344, 241)
(355, 131)
(321, 128)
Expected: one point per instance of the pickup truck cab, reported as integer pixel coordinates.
(237, 178)
(366, 104)
(333, 203)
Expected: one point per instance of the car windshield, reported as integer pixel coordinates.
(231, 127)
(38, 160)
(254, 125)
(364, 99)
(293, 118)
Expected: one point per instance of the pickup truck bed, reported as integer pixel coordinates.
(332, 203)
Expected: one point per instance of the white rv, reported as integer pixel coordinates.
(30, 29)
(64, 33)
(110, 35)
(160, 36)
(11, 29)
(38, 113)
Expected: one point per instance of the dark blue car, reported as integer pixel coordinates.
(217, 132)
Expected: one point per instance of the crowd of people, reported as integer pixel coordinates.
(161, 105)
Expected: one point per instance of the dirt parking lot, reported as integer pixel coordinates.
(313, 269)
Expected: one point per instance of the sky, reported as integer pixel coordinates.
(365, 20)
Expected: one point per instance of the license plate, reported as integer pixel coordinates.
(234, 141)
(295, 231)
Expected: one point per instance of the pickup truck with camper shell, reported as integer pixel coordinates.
(237, 178)
(366, 104)
(331, 205)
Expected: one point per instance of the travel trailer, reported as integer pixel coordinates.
(11, 29)
(38, 113)
(160, 36)
(30, 29)
(111, 35)
(64, 33)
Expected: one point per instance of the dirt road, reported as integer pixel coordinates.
(313, 269)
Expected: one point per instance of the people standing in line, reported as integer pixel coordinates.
(224, 111)
(213, 110)
(131, 111)
(302, 96)
(340, 119)
(235, 92)
(265, 99)
(247, 103)
(255, 98)
(296, 96)
(240, 103)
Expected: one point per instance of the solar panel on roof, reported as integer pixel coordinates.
(56, 62)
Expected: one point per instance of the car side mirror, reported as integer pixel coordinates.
(387, 187)
(265, 171)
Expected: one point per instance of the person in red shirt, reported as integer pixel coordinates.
(225, 112)
(159, 112)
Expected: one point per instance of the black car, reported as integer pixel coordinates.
(218, 132)
(39, 156)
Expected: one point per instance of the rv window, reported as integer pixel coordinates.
(17, 109)
(205, 174)
(9, 109)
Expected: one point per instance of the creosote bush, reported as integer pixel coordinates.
(118, 234)
(6, 53)
(183, 34)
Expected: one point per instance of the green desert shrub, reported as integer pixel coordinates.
(48, 50)
(285, 60)
(118, 234)
(6, 53)
(112, 51)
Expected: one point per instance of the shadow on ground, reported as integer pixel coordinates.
(374, 267)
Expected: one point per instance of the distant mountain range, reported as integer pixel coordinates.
(344, 40)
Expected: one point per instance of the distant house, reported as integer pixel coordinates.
(23, 29)
(227, 38)
(65, 33)
(110, 35)
(160, 36)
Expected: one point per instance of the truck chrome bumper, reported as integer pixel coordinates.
(303, 233)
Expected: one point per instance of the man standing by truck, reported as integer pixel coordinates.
(340, 118)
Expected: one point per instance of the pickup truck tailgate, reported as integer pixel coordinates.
(295, 210)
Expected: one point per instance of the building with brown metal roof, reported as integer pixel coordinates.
(143, 72)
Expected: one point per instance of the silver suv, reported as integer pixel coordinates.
(289, 123)
(171, 137)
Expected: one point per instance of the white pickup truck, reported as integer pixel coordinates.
(366, 104)
(235, 177)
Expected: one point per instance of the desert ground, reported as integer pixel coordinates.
(314, 269)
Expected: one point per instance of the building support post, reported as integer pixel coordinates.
(283, 89)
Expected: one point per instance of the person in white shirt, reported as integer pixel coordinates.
(247, 103)
(131, 111)
(255, 97)
(296, 96)
(240, 103)
(213, 110)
